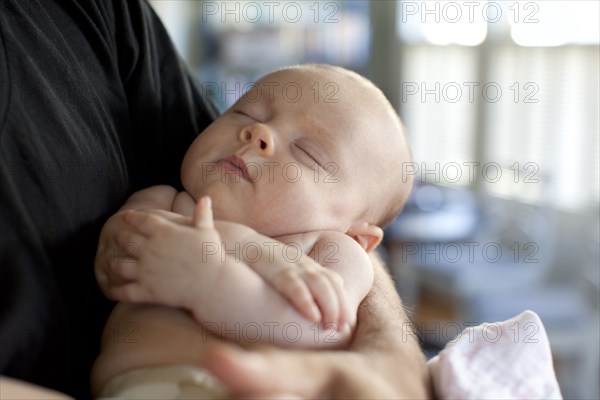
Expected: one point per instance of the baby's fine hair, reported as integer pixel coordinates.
(399, 185)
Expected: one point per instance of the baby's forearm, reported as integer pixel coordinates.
(236, 299)
(244, 308)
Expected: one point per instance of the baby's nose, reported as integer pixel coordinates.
(260, 136)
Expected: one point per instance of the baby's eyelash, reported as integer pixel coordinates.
(309, 154)
(240, 112)
(244, 114)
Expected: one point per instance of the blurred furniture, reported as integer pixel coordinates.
(459, 265)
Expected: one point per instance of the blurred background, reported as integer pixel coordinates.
(501, 101)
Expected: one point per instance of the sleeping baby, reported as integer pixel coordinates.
(285, 194)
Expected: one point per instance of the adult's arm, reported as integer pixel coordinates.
(94, 104)
(15, 389)
(384, 360)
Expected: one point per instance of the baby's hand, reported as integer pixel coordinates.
(117, 257)
(315, 291)
(171, 265)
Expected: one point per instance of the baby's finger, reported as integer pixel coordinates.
(294, 289)
(128, 243)
(130, 292)
(346, 314)
(144, 222)
(103, 280)
(173, 217)
(123, 270)
(325, 296)
(203, 215)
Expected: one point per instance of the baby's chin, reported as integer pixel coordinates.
(260, 225)
(227, 212)
(228, 206)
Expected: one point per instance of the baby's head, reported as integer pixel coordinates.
(311, 147)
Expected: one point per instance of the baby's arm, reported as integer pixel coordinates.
(208, 276)
(136, 274)
(118, 264)
(286, 327)
(339, 274)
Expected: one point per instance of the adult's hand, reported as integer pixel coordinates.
(384, 360)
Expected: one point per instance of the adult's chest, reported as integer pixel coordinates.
(63, 119)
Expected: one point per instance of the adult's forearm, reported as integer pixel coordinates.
(386, 336)
(382, 315)
(16, 389)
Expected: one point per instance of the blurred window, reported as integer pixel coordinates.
(233, 43)
(504, 96)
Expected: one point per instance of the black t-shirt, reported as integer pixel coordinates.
(94, 104)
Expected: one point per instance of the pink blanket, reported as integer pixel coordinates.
(502, 360)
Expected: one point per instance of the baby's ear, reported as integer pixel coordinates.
(367, 235)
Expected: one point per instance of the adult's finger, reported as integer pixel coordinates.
(270, 372)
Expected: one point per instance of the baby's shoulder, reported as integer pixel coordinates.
(333, 242)
(311, 242)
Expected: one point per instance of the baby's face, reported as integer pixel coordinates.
(292, 155)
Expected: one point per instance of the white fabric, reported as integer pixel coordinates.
(502, 360)
(163, 382)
